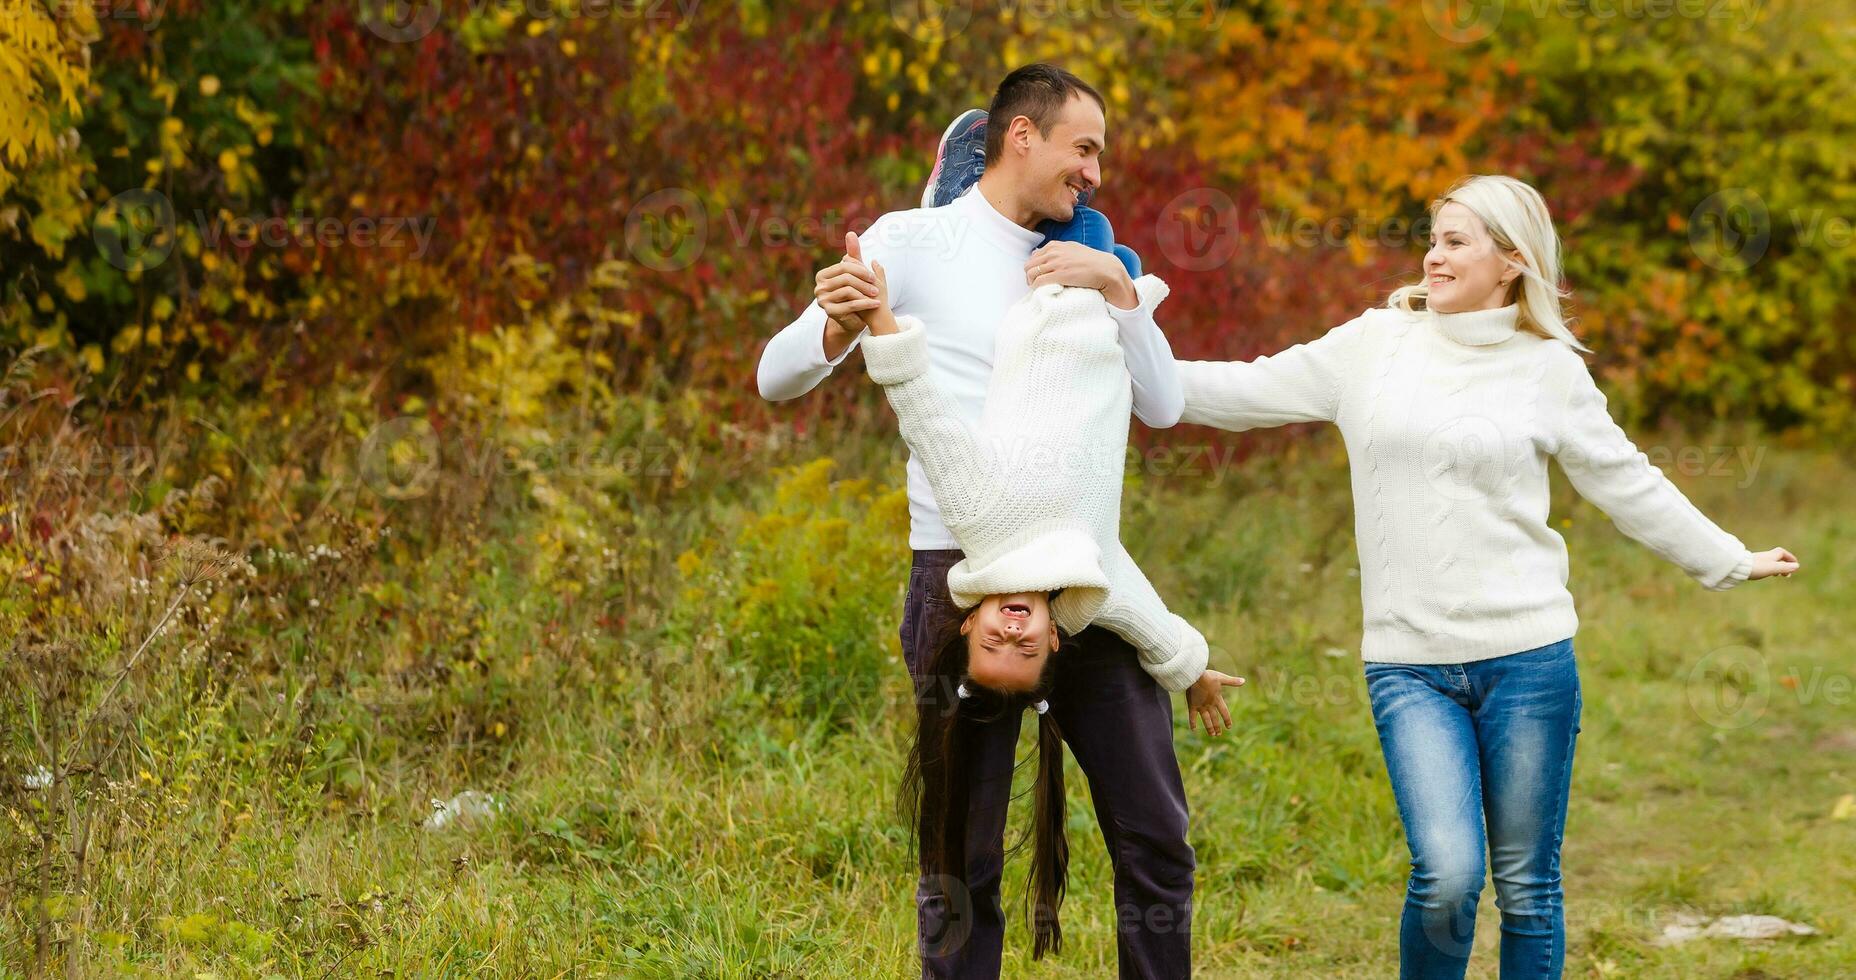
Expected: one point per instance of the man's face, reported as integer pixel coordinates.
(1065, 162)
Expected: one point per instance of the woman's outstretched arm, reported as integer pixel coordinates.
(1608, 469)
(1301, 384)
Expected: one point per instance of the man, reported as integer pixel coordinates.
(960, 267)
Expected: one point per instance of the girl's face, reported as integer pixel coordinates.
(1464, 269)
(1009, 638)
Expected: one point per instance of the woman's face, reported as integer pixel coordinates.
(1464, 269)
(1009, 637)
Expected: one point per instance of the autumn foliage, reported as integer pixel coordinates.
(691, 164)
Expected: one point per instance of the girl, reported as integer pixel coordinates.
(1450, 400)
(1034, 498)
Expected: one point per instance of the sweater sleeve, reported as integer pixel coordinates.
(794, 361)
(1301, 384)
(1171, 650)
(947, 446)
(1158, 399)
(1608, 469)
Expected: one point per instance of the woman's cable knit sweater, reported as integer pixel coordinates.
(1034, 495)
(1448, 421)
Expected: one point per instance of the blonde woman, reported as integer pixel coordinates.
(1450, 400)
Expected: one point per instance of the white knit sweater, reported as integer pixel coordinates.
(1448, 421)
(1034, 495)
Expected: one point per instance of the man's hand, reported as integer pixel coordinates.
(1205, 702)
(1076, 264)
(845, 291)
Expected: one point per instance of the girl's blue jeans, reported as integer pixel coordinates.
(1480, 757)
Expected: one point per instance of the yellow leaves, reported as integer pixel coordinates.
(92, 356)
(209, 85)
(1845, 808)
(71, 283)
(44, 69)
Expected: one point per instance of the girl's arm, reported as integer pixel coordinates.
(1171, 650)
(1607, 469)
(1301, 384)
(950, 452)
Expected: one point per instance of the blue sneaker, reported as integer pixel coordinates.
(1091, 227)
(959, 160)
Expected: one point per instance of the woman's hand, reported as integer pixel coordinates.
(1778, 561)
(1205, 701)
(881, 320)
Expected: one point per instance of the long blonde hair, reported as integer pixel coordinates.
(1517, 219)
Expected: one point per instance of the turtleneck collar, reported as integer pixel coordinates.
(1478, 328)
(997, 225)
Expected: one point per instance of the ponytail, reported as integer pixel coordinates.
(937, 787)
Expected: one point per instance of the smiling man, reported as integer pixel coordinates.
(959, 268)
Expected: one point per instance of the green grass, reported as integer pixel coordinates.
(669, 814)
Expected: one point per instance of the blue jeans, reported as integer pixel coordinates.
(1468, 744)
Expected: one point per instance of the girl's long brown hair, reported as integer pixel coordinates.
(936, 785)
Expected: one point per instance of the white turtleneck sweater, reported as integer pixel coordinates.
(1448, 421)
(959, 268)
(1033, 493)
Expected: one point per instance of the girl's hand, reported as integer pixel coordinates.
(882, 320)
(1778, 561)
(1205, 701)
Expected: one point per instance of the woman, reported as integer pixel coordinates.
(1449, 401)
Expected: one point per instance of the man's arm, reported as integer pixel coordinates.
(804, 352)
(801, 355)
(1159, 397)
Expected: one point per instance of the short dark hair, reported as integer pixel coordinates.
(1036, 91)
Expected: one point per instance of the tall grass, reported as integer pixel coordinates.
(252, 664)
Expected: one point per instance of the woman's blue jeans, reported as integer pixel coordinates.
(1468, 746)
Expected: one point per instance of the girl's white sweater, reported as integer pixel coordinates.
(1033, 495)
